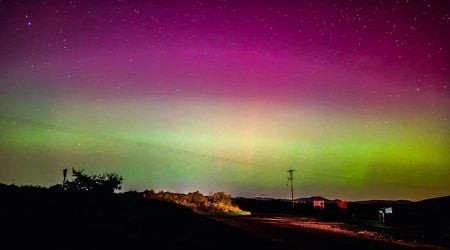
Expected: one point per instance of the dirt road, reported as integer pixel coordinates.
(307, 233)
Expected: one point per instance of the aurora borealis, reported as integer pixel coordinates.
(228, 95)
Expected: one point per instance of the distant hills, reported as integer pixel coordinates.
(329, 201)
(393, 202)
(439, 200)
(363, 202)
(298, 200)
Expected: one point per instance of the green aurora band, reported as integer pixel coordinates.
(240, 147)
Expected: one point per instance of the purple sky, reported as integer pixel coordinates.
(355, 62)
(265, 48)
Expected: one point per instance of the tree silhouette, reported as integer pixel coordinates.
(104, 183)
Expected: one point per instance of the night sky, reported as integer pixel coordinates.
(228, 95)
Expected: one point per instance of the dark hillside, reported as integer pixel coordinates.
(41, 218)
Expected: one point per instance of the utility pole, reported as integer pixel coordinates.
(291, 179)
(64, 176)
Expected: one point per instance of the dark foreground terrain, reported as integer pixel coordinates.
(295, 232)
(42, 219)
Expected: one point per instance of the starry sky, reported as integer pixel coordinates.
(229, 95)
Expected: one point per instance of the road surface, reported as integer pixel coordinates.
(308, 233)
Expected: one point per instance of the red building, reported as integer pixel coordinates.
(342, 204)
(319, 204)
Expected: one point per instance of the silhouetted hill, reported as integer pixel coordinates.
(40, 218)
(311, 199)
(265, 198)
(430, 217)
(385, 202)
(444, 200)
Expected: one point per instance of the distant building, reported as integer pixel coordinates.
(319, 204)
(384, 213)
(342, 204)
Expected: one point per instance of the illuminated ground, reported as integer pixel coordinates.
(308, 233)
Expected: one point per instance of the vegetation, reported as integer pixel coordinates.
(82, 182)
(43, 218)
(217, 203)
